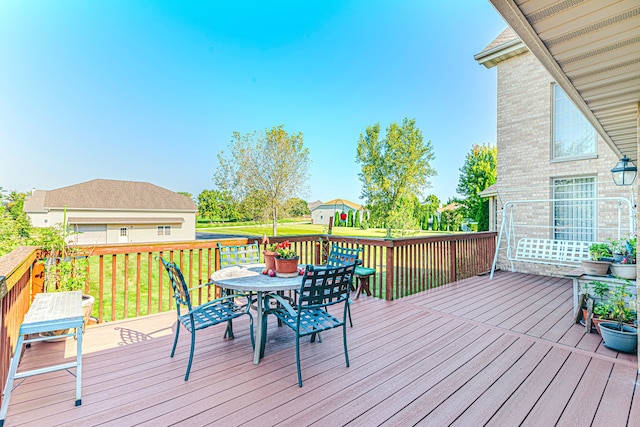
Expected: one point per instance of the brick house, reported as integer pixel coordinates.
(548, 151)
(109, 211)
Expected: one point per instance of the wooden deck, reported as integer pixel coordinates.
(499, 352)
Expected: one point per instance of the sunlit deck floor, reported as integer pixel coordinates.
(500, 352)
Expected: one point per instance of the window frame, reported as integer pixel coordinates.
(589, 233)
(554, 131)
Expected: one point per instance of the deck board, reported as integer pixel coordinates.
(495, 352)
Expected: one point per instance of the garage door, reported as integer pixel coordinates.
(91, 234)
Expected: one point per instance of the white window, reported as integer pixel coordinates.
(574, 209)
(164, 230)
(573, 135)
(123, 231)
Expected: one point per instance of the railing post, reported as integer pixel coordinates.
(390, 272)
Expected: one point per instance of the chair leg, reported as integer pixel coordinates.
(344, 338)
(229, 330)
(349, 311)
(193, 345)
(253, 340)
(298, 359)
(175, 340)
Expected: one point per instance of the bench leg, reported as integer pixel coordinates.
(8, 388)
(363, 284)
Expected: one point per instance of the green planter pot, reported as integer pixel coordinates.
(624, 341)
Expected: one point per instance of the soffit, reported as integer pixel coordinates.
(592, 50)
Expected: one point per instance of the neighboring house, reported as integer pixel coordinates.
(549, 154)
(108, 211)
(321, 214)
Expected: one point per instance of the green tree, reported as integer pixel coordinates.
(15, 205)
(216, 205)
(296, 207)
(356, 220)
(392, 167)
(272, 166)
(478, 172)
(350, 218)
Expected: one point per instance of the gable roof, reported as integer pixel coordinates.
(342, 202)
(109, 194)
(505, 46)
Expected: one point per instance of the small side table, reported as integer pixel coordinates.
(48, 312)
(363, 274)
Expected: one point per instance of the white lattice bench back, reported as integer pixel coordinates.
(553, 252)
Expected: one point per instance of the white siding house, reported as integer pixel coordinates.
(322, 213)
(109, 211)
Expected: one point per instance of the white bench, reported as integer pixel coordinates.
(548, 251)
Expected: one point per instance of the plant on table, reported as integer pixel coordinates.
(284, 250)
(599, 252)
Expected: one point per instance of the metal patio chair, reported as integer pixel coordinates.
(320, 288)
(220, 310)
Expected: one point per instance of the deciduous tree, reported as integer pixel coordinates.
(271, 165)
(478, 172)
(393, 166)
(216, 205)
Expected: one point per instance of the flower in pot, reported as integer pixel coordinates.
(617, 335)
(600, 261)
(269, 258)
(286, 260)
(624, 265)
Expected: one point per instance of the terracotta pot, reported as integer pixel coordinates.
(286, 267)
(270, 260)
(596, 268)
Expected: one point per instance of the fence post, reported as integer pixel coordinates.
(390, 272)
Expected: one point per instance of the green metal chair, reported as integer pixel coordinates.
(231, 255)
(220, 310)
(338, 256)
(320, 288)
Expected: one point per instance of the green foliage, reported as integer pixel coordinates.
(394, 166)
(350, 218)
(598, 251)
(296, 207)
(435, 223)
(356, 220)
(478, 172)
(64, 269)
(216, 205)
(10, 235)
(265, 169)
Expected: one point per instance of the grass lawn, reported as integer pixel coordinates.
(300, 228)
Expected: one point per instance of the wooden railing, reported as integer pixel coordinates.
(129, 281)
(16, 270)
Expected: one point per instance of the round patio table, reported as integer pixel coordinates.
(249, 278)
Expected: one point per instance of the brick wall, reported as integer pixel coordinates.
(525, 165)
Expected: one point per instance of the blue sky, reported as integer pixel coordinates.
(153, 90)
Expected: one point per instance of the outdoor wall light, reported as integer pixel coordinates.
(624, 172)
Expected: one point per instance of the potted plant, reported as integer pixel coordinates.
(618, 335)
(600, 261)
(286, 260)
(624, 265)
(269, 255)
(65, 269)
(599, 290)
